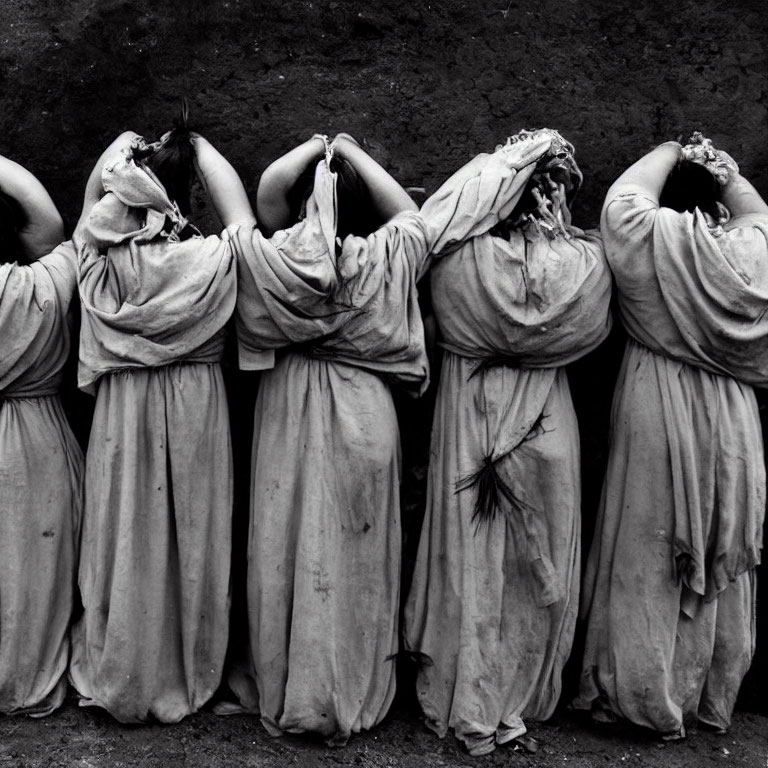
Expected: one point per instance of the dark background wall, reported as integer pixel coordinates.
(428, 84)
(424, 86)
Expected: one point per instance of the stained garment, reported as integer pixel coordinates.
(325, 537)
(492, 608)
(670, 583)
(155, 561)
(41, 468)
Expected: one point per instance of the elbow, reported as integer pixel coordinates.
(127, 137)
(621, 187)
(57, 229)
(124, 140)
(390, 208)
(275, 180)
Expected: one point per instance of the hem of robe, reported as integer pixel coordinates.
(596, 701)
(46, 706)
(149, 717)
(481, 741)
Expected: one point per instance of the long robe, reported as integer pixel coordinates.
(492, 608)
(670, 587)
(41, 468)
(325, 538)
(155, 560)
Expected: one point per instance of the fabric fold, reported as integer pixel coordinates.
(155, 565)
(148, 298)
(360, 309)
(669, 582)
(494, 598)
(324, 540)
(41, 473)
(699, 296)
(531, 301)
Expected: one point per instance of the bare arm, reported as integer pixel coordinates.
(43, 229)
(278, 179)
(94, 190)
(222, 183)
(740, 197)
(387, 195)
(650, 172)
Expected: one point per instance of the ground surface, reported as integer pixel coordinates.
(84, 739)
(425, 85)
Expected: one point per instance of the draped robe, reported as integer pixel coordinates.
(41, 468)
(670, 587)
(325, 536)
(492, 608)
(155, 562)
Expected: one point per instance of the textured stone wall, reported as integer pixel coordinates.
(427, 84)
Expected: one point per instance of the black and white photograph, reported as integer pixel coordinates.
(383, 384)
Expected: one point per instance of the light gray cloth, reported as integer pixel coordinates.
(669, 587)
(325, 537)
(41, 474)
(493, 605)
(155, 562)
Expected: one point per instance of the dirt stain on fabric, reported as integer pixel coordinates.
(321, 583)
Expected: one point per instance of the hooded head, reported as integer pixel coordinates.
(549, 192)
(560, 165)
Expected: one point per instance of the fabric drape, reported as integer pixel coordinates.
(41, 469)
(154, 569)
(149, 299)
(325, 538)
(361, 309)
(669, 588)
(493, 603)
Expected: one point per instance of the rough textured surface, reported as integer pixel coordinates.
(426, 85)
(85, 739)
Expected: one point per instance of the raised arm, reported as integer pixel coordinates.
(222, 183)
(483, 192)
(94, 189)
(279, 178)
(650, 172)
(387, 195)
(43, 228)
(741, 198)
